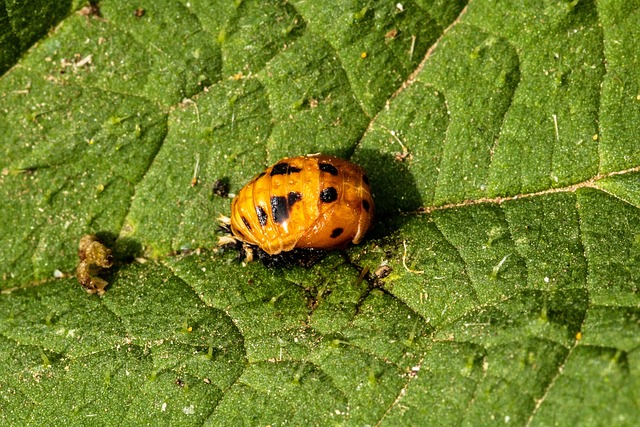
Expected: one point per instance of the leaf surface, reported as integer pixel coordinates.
(501, 143)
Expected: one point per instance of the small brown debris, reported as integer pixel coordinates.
(93, 10)
(391, 34)
(382, 271)
(221, 187)
(139, 12)
(94, 257)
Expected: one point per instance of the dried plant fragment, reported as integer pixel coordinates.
(94, 257)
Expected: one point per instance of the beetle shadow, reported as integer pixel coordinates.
(123, 250)
(394, 189)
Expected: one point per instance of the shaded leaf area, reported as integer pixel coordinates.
(22, 23)
(513, 318)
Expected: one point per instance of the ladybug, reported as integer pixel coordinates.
(313, 202)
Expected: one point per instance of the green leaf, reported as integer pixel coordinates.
(23, 23)
(501, 143)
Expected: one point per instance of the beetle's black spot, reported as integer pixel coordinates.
(262, 215)
(328, 195)
(365, 178)
(365, 205)
(246, 223)
(293, 197)
(279, 209)
(326, 167)
(284, 169)
(336, 232)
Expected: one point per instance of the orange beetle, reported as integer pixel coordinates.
(313, 201)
